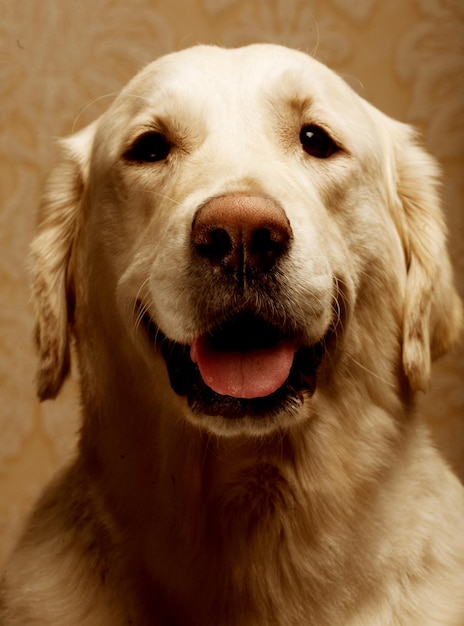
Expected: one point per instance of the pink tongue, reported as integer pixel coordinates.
(249, 374)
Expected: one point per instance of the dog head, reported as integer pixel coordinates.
(242, 222)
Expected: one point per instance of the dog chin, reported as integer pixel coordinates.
(249, 424)
(264, 406)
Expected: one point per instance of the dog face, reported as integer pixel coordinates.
(241, 223)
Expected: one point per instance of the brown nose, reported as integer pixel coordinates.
(240, 233)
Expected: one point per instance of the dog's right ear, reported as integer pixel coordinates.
(51, 252)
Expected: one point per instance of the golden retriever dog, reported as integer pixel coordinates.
(250, 263)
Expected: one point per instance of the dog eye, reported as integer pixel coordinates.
(317, 143)
(149, 148)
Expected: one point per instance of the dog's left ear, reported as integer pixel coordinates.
(432, 316)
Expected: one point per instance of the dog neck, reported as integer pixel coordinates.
(237, 511)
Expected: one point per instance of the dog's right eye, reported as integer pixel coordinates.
(149, 148)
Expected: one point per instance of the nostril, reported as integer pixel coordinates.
(261, 241)
(212, 243)
(269, 242)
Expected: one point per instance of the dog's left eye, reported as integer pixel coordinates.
(316, 142)
(149, 148)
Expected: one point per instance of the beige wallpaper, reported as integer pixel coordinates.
(60, 64)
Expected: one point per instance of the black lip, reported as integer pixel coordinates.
(186, 380)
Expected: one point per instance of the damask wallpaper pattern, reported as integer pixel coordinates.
(60, 65)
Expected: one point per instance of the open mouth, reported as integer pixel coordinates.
(244, 366)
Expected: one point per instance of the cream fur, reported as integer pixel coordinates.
(341, 512)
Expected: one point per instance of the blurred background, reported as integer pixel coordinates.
(61, 64)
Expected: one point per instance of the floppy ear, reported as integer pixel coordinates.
(432, 309)
(52, 280)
